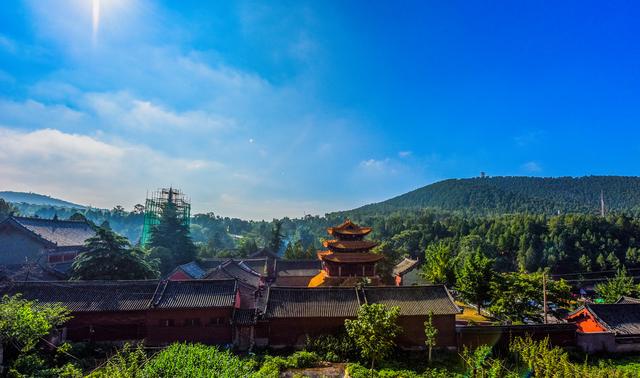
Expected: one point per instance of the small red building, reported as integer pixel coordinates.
(612, 328)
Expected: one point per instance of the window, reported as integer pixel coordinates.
(166, 323)
(193, 322)
(216, 321)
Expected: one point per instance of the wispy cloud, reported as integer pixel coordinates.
(532, 167)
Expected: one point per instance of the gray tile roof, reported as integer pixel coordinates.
(235, 269)
(620, 318)
(413, 300)
(298, 268)
(62, 233)
(195, 294)
(244, 317)
(85, 296)
(625, 299)
(293, 302)
(404, 266)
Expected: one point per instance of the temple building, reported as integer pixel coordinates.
(348, 256)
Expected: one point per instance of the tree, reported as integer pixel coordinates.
(384, 268)
(109, 256)
(6, 209)
(518, 297)
(276, 236)
(374, 330)
(23, 323)
(248, 246)
(611, 290)
(430, 333)
(171, 233)
(438, 263)
(474, 279)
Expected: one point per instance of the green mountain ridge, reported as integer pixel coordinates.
(517, 194)
(37, 199)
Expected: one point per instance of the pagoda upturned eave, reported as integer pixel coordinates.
(351, 257)
(348, 228)
(349, 245)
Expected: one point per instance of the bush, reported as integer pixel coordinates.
(358, 371)
(338, 348)
(272, 366)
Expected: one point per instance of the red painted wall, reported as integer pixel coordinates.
(206, 331)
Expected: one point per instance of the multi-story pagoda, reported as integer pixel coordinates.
(349, 255)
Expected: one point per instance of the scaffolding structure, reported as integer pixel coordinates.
(155, 205)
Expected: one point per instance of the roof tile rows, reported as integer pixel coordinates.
(298, 268)
(620, 318)
(62, 233)
(312, 302)
(92, 296)
(288, 302)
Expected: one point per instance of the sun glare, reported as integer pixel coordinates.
(95, 19)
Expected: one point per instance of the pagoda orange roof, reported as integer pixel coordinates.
(351, 257)
(348, 228)
(349, 245)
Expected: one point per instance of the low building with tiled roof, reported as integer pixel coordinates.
(613, 328)
(295, 313)
(161, 312)
(46, 241)
(296, 272)
(402, 268)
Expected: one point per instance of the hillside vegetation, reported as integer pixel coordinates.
(505, 195)
(37, 199)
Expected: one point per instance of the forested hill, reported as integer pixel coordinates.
(37, 199)
(500, 195)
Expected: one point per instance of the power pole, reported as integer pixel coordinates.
(544, 296)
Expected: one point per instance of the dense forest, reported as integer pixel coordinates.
(506, 195)
(521, 223)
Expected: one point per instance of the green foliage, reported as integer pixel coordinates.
(474, 277)
(431, 334)
(438, 263)
(276, 236)
(392, 256)
(6, 209)
(333, 348)
(32, 365)
(173, 235)
(109, 256)
(374, 330)
(23, 323)
(611, 290)
(517, 297)
(272, 366)
(542, 360)
(176, 361)
(296, 251)
(480, 364)
(358, 371)
(507, 195)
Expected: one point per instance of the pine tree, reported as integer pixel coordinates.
(109, 256)
(171, 234)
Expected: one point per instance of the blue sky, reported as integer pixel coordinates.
(266, 109)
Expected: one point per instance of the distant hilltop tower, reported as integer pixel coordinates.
(154, 206)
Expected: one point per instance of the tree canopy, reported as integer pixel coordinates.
(109, 256)
(173, 235)
(374, 330)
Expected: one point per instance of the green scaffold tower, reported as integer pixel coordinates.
(156, 203)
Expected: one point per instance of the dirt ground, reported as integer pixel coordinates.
(329, 371)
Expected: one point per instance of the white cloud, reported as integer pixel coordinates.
(404, 154)
(532, 167)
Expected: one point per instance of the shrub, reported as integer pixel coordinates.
(332, 348)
